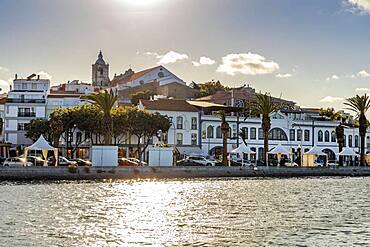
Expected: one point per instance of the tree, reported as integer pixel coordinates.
(38, 127)
(339, 132)
(144, 125)
(264, 106)
(136, 97)
(360, 105)
(211, 87)
(120, 124)
(225, 131)
(105, 101)
(331, 114)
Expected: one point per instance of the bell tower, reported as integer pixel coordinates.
(100, 72)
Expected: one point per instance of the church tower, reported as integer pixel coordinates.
(100, 72)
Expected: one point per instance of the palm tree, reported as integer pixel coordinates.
(105, 101)
(264, 106)
(225, 131)
(331, 114)
(360, 105)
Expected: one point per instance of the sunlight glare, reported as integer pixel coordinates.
(140, 3)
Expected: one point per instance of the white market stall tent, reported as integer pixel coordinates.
(243, 149)
(349, 155)
(279, 150)
(45, 147)
(310, 157)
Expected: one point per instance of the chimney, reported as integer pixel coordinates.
(38, 77)
(16, 76)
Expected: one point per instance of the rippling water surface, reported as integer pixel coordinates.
(199, 212)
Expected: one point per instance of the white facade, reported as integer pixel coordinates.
(26, 101)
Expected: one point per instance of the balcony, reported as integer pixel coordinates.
(26, 114)
(39, 101)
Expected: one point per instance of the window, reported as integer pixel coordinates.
(193, 139)
(179, 138)
(204, 134)
(179, 121)
(320, 136)
(299, 135)
(350, 141)
(333, 136)
(22, 126)
(218, 132)
(101, 71)
(235, 132)
(253, 133)
(194, 125)
(7, 123)
(277, 134)
(292, 135)
(229, 133)
(245, 133)
(7, 109)
(34, 86)
(210, 131)
(327, 136)
(260, 134)
(344, 141)
(356, 141)
(70, 136)
(306, 135)
(160, 74)
(24, 86)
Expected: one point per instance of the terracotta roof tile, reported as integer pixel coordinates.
(134, 76)
(168, 105)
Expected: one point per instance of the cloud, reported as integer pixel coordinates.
(360, 6)
(363, 73)
(172, 57)
(247, 64)
(331, 99)
(287, 75)
(44, 75)
(5, 85)
(203, 61)
(362, 89)
(333, 77)
(3, 69)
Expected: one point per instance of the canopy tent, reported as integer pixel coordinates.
(348, 152)
(44, 146)
(310, 157)
(243, 149)
(279, 149)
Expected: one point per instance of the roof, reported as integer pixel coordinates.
(204, 104)
(63, 94)
(168, 105)
(122, 79)
(40, 144)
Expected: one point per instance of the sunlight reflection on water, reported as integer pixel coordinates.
(194, 212)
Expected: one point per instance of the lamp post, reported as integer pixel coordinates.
(159, 136)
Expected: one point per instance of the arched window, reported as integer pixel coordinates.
(260, 134)
(101, 71)
(344, 140)
(350, 141)
(356, 141)
(210, 131)
(277, 134)
(333, 136)
(218, 132)
(179, 122)
(253, 133)
(306, 135)
(320, 136)
(299, 135)
(260, 153)
(245, 132)
(327, 136)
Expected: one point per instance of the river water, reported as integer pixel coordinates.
(197, 212)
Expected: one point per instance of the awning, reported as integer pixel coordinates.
(243, 149)
(316, 151)
(189, 150)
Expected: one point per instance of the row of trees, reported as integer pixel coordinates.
(97, 120)
(264, 106)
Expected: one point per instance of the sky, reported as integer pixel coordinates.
(314, 52)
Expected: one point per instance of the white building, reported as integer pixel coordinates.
(26, 101)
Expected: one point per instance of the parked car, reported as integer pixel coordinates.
(200, 160)
(16, 161)
(142, 163)
(62, 161)
(186, 162)
(127, 162)
(82, 162)
(2, 159)
(35, 161)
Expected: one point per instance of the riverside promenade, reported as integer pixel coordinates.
(96, 173)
